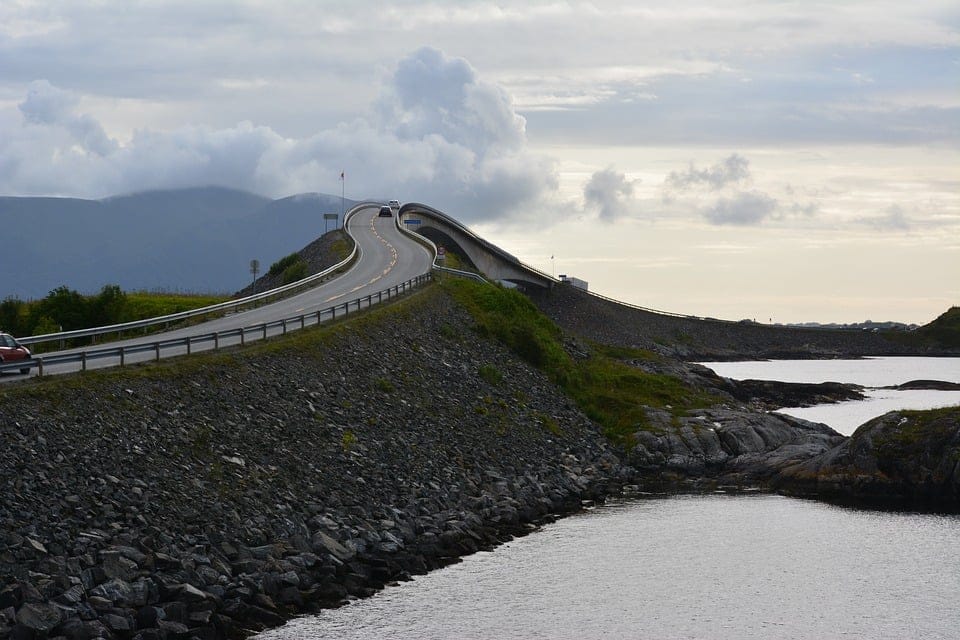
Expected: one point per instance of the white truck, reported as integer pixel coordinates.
(575, 282)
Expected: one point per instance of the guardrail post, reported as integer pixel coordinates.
(318, 316)
(264, 330)
(189, 344)
(303, 321)
(284, 326)
(216, 341)
(380, 296)
(242, 336)
(122, 362)
(156, 346)
(83, 361)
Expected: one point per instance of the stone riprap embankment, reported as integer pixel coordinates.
(208, 497)
(701, 339)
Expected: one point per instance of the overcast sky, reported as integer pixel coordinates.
(784, 161)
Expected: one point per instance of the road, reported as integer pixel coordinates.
(387, 259)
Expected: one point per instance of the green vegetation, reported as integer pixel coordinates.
(490, 374)
(944, 331)
(341, 247)
(348, 440)
(385, 385)
(66, 310)
(282, 264)
(921, 433)
(610, 391)
(290, 268)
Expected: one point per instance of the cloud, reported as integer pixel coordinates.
(746, 208)
(438, 133)
(894, 218)
(431, 93)
(733, 169)
(610, 193)
(46, 105)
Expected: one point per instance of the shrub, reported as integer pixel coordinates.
(490, 374)
(294, 272)
(281, 265)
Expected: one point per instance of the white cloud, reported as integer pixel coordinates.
(438, 133)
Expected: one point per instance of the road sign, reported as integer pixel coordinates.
(441, 253)
(331, 216)
(412, 221)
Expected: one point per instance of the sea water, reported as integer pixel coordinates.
(872, 373)
(712, 566)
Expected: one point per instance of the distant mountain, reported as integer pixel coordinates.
(200, 239)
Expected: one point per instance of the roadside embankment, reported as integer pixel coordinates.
(216, 495)
(696, 339)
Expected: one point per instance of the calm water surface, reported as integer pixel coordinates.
(845, 417)
(683, 567)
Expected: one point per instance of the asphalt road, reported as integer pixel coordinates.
(387, 259)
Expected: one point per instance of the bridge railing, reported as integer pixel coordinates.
(486, 244)
(216, 340)
(432, 247)
(232, 305)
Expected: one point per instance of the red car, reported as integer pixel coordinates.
(12, 351)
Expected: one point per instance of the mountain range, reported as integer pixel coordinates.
(187, 240)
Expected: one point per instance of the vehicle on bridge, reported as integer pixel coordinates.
(394, 204)
(385, 212)
(13, 351)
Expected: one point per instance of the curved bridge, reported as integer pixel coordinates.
(486, 257)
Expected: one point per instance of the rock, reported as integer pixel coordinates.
(38, 617)
(321, 542)
(900, 459)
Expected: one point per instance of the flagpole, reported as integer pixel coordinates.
(343, 184)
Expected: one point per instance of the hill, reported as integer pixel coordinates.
(944, 331)
(199, 239)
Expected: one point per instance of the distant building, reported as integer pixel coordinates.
(576, 282)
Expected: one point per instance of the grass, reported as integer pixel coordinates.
(944, 331)
(142, 304)
(921, 432)
(490, 374)
(607, 389)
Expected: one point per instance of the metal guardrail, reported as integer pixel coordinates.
(219, 338)
(216, 308)
(658, 311)
(431, 245)
(486, 244)
(508, 257)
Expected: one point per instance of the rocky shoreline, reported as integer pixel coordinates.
(216, 496)
(211, 498)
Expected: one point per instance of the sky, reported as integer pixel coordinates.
(773, 160)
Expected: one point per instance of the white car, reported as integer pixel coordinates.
(395, 204)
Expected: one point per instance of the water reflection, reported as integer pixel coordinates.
(712, 566)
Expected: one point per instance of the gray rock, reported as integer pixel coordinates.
(39, 617)
(323, 543)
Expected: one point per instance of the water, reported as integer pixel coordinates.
(845, 417)
(683, 567)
